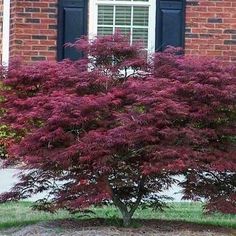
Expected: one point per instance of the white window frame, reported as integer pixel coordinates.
(5, 32)
(93, 18)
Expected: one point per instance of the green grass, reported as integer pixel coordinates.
(189, 212)
(20, 214)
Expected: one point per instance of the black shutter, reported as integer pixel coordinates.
(170, 24)
(72, 24)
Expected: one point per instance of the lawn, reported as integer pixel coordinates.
(19, 214)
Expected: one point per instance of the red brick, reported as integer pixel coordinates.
(23, 11)
(212, 46)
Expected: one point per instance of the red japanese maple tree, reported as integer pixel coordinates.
(117, 127)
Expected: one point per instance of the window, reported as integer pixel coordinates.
(133, 17)
(157, 23)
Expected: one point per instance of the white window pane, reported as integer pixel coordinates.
(131, 17)
(124, 30)
(124, 0)
(135, 1)
(140, 35)
(123, 15)
(141, 16)
(102, 31)
(105, 15)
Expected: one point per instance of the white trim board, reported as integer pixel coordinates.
(6, 32)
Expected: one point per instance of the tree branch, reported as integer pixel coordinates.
(140, 195)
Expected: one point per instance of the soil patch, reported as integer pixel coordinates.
(100, 227)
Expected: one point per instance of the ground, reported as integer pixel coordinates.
(19, 219)
(98, 227)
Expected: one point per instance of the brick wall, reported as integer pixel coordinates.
(1, 15)
(33, 29)
(211, 28)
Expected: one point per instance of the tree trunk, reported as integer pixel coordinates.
(127, 212)
(126, 217)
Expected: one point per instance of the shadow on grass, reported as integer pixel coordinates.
(152, 224)
(7, 225)
(162, 225)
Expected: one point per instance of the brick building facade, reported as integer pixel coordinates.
(210, 28)
(33, 29)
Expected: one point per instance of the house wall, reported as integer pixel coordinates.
(1, 27)
(210, 29)
(33, 29)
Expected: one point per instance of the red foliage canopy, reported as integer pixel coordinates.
(116, 127)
